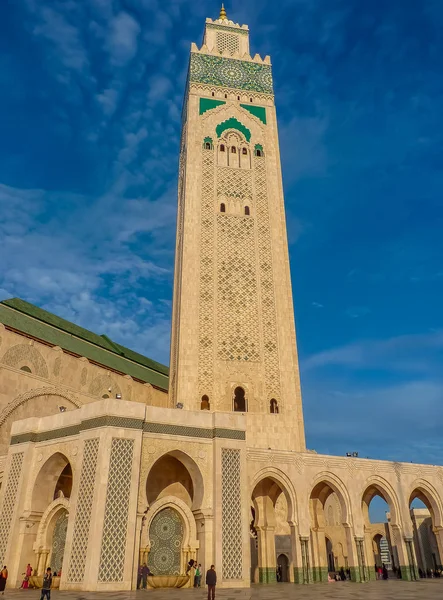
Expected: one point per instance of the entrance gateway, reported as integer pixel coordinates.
(206, 462)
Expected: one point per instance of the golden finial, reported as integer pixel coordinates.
(223, 13)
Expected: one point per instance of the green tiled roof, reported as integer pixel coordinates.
(43, 325)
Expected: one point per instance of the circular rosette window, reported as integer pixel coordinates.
(231, 74)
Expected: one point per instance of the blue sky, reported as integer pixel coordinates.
(90, 123)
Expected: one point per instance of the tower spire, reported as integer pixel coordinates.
(223, 15)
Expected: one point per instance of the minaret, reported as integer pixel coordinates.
(233, 334)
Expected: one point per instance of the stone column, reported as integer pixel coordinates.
(297, 562)
(204, 521)
(306, 567)
(399, 549)
(362, 574)
(320, 563)
(438, 532)
(267, 563)
(412, 562)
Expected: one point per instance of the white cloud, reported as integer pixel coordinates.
(123, 37)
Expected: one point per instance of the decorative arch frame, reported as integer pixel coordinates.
(31, 394)
(189, 526)
(427, 491)
(34, 357)
(339, 488)
(233, 123)
(193, 470)
(42, 542)
(34, 482)
(286, 486)
(389, 495)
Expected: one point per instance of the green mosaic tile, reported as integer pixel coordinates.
(129, 423)
(257, 111)
(229, 72)
(267, 575)
(233, 123)
(209, 104)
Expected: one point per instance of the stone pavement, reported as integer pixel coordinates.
(431, 589)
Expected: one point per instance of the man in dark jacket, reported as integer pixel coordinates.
(211, 582)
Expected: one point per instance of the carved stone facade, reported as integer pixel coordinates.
(102, 471)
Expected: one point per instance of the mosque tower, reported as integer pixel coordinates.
(233, 334)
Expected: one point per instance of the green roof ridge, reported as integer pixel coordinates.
(71, 332)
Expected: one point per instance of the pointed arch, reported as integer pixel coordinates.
(51, 513)
(193, 469)
(286, 486)
(377, 485)
(324, 484)
(425, 492)
(31, 394)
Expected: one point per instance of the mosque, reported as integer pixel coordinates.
(109, 459)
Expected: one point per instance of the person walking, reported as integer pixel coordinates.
(3, 578)
(211, 582)
(47, 582)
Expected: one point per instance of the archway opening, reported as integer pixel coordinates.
(422, 509)
(239, 400)
(54, 477)
(64, 483)
(329, 538)
(282, 568)
(169, 477)
(270, 532)
(379, 520)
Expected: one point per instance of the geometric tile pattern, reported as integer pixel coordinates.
(237, 302)
(83, 514)
(234, 183)
(59, 541)
(8, 507)
(206, 292)
(229, 72)
(270, 343)
(232, 543)
(113, 549)
(165, 538)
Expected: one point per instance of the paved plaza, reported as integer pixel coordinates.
(376, 590)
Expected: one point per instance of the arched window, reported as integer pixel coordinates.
(250, 99)
(247, 211)
(25, 369)
(213, 94)
(239, 400)
(244, 151)
(207, 145)
(238, 97)
(234, 150)
(204, 404)
(258, 152)
(274, 406)
(226, 95)
(222, 207)
(222, 147)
